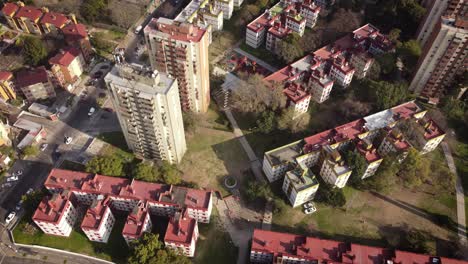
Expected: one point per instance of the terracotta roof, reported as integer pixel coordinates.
(29, 12)
(51, 209)
(180, 229)
(57, 19)
(176, 30)
(135, 221)
(66, 179)
(95, 214)
(10, 9)
(5, 75)
(65, 57)
(74, 32)
(29, 77)
(368, 151)
(106, 185)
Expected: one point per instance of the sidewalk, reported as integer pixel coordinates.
(460, 195)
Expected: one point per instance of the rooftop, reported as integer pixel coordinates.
(57, 19)
(66, 179)
(106, 185)
(301, 178)
(10, 9)
(74, 32)
(5, 75)
(65, 57)
(180, 229)
(29, 12)
(365, 148)
(430, 128)
(135, 221)
(95, 213)
(52, 207)
(285, 153)
(26, 78)
(396, 138)
(175, 30)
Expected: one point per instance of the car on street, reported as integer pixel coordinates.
(10, 217)
(309, 208)
(138, 29)
(98, 74)
(12, 178)
(19, 172)
(7, 184)
(44, 146)
(104, 67)
(91, 111)
(19, 205)
(68, 140)
(30, 190)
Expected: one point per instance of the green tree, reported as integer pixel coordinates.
(289, 49)
(387, 62)
(409, 52)
(92, 9)
(169, 173)
(394, 35)
(389, 94)
(31, 201)
(330, 195)
(30, 151)
(358, 164)
(385, 177)
(190, 121)
(266, 122)
(414, 170)
(149, 250)
(146, 172)
(34, 50)
(105, 165)
(254, 190)
(289, 121)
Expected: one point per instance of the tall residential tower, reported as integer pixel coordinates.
(148, 108)
(181, 50)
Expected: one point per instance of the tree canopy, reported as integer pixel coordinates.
(289, 121)
(289, 49)
(169, 173)
(146, 172)
(254, 190)
(149, 250)
(381, 93)
(34, 50)
(409, 52)
(329, 195)
(30, 151)
(92, 9)
(266, 122)
(358, 164)
(414, 169)
(105, 165)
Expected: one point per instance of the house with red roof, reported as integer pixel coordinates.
(98, 221)
(67, 66)
(35, 84)
(75, 35)
(52, 22)
(182, 234)
(7, 90)
(138, 222)
(373, 159)
(57, 214)
(394, 142)
(8, 11)
(27, 18)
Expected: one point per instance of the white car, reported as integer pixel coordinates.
(7, 184)
(91, 111)
(19, 172)
(68, 140)
(44, 146)
(311, 209)
(30, 190)
(12, 178)
(10, 217)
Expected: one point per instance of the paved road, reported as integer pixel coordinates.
(460, 195)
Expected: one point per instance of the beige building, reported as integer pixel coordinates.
(334, 171)
(35, 84)
(67, 67)
(7, 90)
(373, 159)
(4, 132)
(300, 185)
(181, 51)
(149, 112)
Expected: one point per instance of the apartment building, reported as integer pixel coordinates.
(138, 222)
(300, 185)
(67, 67)
(181, 51)
(434, 10)
(425, 135)
(281, 20)
(319, 149)
(53, 22)
(203, 14)
(238, 3)
(313, 76)
(35, 84)
(334, 170)
(4, 134)
(444, 54)
(7, 90)
(276, 247)
(182, 234)
(76, 36)
(227, 6)
(56, 215)
(373, 159)
(148, 109)
(98, 221)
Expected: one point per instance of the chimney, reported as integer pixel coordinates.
(45, 10)
(73, 18)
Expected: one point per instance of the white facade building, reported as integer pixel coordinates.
(98, 221)
(300, 185)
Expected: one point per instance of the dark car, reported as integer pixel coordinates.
(98, 74)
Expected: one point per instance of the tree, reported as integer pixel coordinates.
(352, 108)
(254, 190)
(384, 179)
(31, 201)
(169, 173)
(149, 250)
(266, 122)
(330, 195)
(358, 164)
(310, 41)
(247, 14)
(105, 165)
(124, 17)
(414, 169)
(255, 95)
(289, 49)
(190, 121)
(30, 151)
(289, 121)
(34, 50)
(387, 62)
(146, 172)
(374, 71)
(394, 35)
(409, 52)
(92, 9)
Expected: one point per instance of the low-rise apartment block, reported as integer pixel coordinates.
(182, 234)
(76, 36)
(35, 84)
(67, 67)
(300, 185)
(98, 221)
(138, 222)
(227, 6)
(280, 21)
(57, 215)
(7, 90)
(313, 76)
(323, 149)
(275, 247)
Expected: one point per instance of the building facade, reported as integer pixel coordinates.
(7, 90)
(98, 221)
(300, 185)
(334, 170)
(180, 50)
(67, 67)
(149, 112)
(76, 36)
(138, 222)
(373, 159)
(35, 84)
(182, 234)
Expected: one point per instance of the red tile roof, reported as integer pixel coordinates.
(51, 209)
(66, 179)
(135, 221)
(10, 9)
(5, 75)
(176, 30)
(144, 190)
(57, 19)
(74, 32)
(431, 129)
(309, 248)
(29, 12)
(369, 153)
(65, 57)
(106, 185)
(95, 214)
(180, 229)
(29, 77)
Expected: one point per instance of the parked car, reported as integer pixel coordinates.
(310, 208)
(19, 205)
(138, 29)
(12, 178)
(30, 190)
(308, 205)
(91, 111)
(44, 146)
(68, 140)
(19, 172)
(7, 184)
(10, 217)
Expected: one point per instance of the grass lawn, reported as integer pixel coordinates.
(214, 244)
(115, 250)
(213, 153)
(460, 155)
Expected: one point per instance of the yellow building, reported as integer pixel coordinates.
(6, 86)
(4, 131)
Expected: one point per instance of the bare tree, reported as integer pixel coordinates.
(289, 121)
(124, 14)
